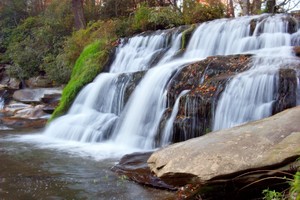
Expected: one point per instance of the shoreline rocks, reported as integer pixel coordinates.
(224, 161)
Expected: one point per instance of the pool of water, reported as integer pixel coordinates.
(29, 170)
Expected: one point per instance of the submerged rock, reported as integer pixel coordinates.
(221, 157)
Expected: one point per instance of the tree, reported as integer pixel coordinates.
(79, 19)
(270, 6)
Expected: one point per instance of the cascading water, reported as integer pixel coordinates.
(168, 130)
(1, 103)
(250, 95)
(98, 106)
(99, 113)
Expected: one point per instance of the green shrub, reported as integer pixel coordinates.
(295, 187)
(35, 43)
(272, 195)
(123, 27)
(146, 18)
(87, 67)
(24, 49)
(75, 44)
(194, 12)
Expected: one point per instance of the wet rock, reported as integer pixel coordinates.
(286, 94)
(20, 123)
(131, 80)
(14, 107)
(7, 82)
(31, 112)
(134, 166)
(10, 83)
(220, 157)
(205, 81)
(35, 95)
(51, 101)
(297, 51)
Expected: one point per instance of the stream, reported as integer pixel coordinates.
(53, 170)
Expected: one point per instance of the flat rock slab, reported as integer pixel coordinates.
(35, 95)
(268, 142)
(21, 123)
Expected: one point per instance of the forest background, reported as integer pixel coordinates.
(69, 41)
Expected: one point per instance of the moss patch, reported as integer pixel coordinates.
(186, 36)
(89, 64)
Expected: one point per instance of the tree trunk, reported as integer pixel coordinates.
(245, 7)
(256, 7)
(270, 6)
(230, 8)
(79, 20)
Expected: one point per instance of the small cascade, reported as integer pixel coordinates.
(126, 104)
(168, 131)
(140, 121)
(1, 103)
(139, 52)
(250, 95)
(98, 106)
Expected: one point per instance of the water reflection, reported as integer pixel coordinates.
(28, 171)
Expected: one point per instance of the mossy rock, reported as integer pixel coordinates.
(89, 64)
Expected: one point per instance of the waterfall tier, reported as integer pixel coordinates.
(132, 103)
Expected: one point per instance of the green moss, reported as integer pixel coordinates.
(87, 67)
(186, 36)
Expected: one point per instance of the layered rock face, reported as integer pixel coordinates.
(204, 82)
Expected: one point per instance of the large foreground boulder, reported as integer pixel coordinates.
(265, 144)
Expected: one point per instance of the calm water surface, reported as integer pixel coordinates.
(29, 170)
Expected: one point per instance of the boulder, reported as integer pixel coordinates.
(221, 156)
(32, 112)
(35, 95)
(10, 83)
(14, 107)
(21, 123)
(7, 82)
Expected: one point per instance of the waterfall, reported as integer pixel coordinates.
(250, 95)
(108, 109)
(168, 130)
(98, 106)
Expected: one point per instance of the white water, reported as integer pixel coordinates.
(168, 130)
(250, 95)
(99, 114)
(1, 103)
